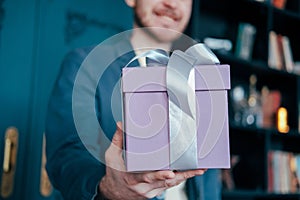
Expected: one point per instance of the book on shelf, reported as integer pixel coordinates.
(280, 4)
(245, 41)
(270, 100)
(283, 172)
(280, 52)
(274, 59)
(299, 118)
(296, 70)
(297, 171)
(287, 54)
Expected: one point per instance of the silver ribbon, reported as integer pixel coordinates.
(182, 104)
(182, 111)
(180, 82)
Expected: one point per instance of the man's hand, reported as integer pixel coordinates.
(118, 184)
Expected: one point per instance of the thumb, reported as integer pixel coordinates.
(117, 140)
(113, 155)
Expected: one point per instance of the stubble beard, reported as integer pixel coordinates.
(155, 36)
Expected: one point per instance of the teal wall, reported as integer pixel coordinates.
(34, 37)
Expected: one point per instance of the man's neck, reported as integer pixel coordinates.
(143, 41)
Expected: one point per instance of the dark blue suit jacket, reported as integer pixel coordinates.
(71, 168)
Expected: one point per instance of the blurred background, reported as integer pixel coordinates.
(35, 35)
(259, 39)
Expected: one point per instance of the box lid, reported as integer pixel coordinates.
(153, 79)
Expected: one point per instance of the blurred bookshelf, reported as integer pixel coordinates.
(260, 41)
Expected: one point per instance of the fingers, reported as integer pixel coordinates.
(149, 190)
(113, 155)
(168, 176)
(183, 175)
(118, 136)
(152, 184)
(153, 193)
(149, 184)
(144, 188)
(189, 173)
(119, 125)
(155, 176)
(149, 177)
(116, 145)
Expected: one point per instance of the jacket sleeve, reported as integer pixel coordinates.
(71, 168)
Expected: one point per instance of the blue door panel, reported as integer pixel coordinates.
(35, 36)
(15, 78)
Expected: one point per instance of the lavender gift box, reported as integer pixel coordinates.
(147, 141)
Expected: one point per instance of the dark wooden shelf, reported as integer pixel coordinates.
(254, 65)
(248, 194)
(287, 13)
(294, 133)
(249, 144)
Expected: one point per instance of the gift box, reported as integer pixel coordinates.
(158, 137)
